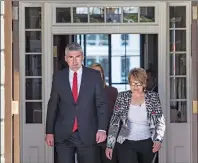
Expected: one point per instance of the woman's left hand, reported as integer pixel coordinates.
(156, 146)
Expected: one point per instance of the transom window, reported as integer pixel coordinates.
(105, 15)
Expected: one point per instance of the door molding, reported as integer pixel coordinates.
(188, 70)
(158, 28)
(49, 29)
(162, 85)
(22, 53)
(48, 64)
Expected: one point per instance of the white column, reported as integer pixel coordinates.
(162, 73)
(48, 66)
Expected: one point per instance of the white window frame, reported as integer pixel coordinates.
(106, 4)
(188, 70)
(22, 75)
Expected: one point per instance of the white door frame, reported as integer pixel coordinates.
(22, 95)
(188, 71)
(50, 29)
(158, 28)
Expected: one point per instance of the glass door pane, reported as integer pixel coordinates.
(125, 50)
(97, 51)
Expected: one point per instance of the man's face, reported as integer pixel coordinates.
(74, 60)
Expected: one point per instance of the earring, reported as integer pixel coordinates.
(144, 89)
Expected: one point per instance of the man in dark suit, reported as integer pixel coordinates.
(151, 81)
(77, 115)
(152, 86)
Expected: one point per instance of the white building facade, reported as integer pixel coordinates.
(120, 35)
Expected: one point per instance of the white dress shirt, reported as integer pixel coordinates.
(79, 78)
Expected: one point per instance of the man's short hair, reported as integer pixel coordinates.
(153, 75)
(73, 47)
(149, 71)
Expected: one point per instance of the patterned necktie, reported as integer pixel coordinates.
(75, 96)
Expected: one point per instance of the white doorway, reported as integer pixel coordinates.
(117, 53)
(36, 47)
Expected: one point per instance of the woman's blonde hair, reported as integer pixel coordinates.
(102, 71)
(139, 74)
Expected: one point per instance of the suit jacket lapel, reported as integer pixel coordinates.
(129, 95)
(68, 87)
(149, 106)
(82, 85)
(127, 106)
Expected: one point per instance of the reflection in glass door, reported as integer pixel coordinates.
(96, 50)
(125, 55)
(117, 53)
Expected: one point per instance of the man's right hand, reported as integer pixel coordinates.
(109, 153)
(49, 138)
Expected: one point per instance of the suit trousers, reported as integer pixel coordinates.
(66, 150)
(135, 151)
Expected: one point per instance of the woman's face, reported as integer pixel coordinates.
(98, 69)
(136, 86)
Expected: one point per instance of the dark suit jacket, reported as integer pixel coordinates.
(91, 108)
